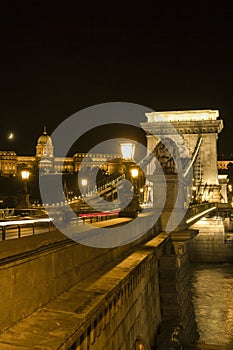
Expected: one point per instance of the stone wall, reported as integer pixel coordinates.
(35, 269)
(75, 297)
(210, 244)
(114, 308)
(131, 312)
(175, 294)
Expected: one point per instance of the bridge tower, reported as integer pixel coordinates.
(199, 130)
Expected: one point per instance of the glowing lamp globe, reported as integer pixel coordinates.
(25, 174)
(134, 173)
(84, 182)
(127, 150)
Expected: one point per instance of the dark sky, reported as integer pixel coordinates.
(58, 58)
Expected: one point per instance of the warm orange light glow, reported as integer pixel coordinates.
(134, 173)
(24, 222)
(84, 182)
(25, 174)
(177, 116)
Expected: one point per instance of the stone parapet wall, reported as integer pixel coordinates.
(130, 310)
(114, 308)
(74, 297)
(35, 269)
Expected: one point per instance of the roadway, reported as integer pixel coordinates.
(80, 231)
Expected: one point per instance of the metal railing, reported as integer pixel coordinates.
(197, 211)
(6, 212)
(112, 181)
(99, 216)
(11, 224)
(99, 190)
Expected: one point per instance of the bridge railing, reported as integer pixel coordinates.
(99, 216)
(18, 224)
(111, 181)
(100, 189)
(197, 211)
(6, 212)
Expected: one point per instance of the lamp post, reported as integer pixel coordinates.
(141, 195)
(25, 174)
(230, 197)
(84, 185)
(149, 200)
(194, 195)
(127, 150)
(134, 174)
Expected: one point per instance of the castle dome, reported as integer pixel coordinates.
(44, 145)
(44, 138)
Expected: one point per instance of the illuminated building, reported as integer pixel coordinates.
(11, 163)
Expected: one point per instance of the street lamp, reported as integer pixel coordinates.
(194, 194)
(230, 197)
(141, 192)
(149, 200)
(84, 184)
(127, 150)
(134, 174)
(25, 174)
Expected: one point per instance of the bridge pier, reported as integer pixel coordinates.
(177, 309)
(172, 188)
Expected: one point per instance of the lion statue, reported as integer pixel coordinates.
(167, 154)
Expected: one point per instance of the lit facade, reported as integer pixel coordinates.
(223, 164)
(194, 132)
(11, 164)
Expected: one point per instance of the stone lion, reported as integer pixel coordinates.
(166, 153)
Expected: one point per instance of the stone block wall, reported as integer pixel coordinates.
(106, 299)
(131, 311)
(176, 300)
(116, 307)
(36, 269)
(210, 244)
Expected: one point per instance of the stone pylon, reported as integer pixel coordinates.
(169, 196)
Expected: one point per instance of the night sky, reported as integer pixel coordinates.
(58, 58)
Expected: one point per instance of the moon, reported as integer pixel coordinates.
(11, 136)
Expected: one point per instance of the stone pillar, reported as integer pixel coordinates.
(172, 188)
(175, 294)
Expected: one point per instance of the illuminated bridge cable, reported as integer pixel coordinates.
(195, 154)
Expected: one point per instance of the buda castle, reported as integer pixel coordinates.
(11, 164)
